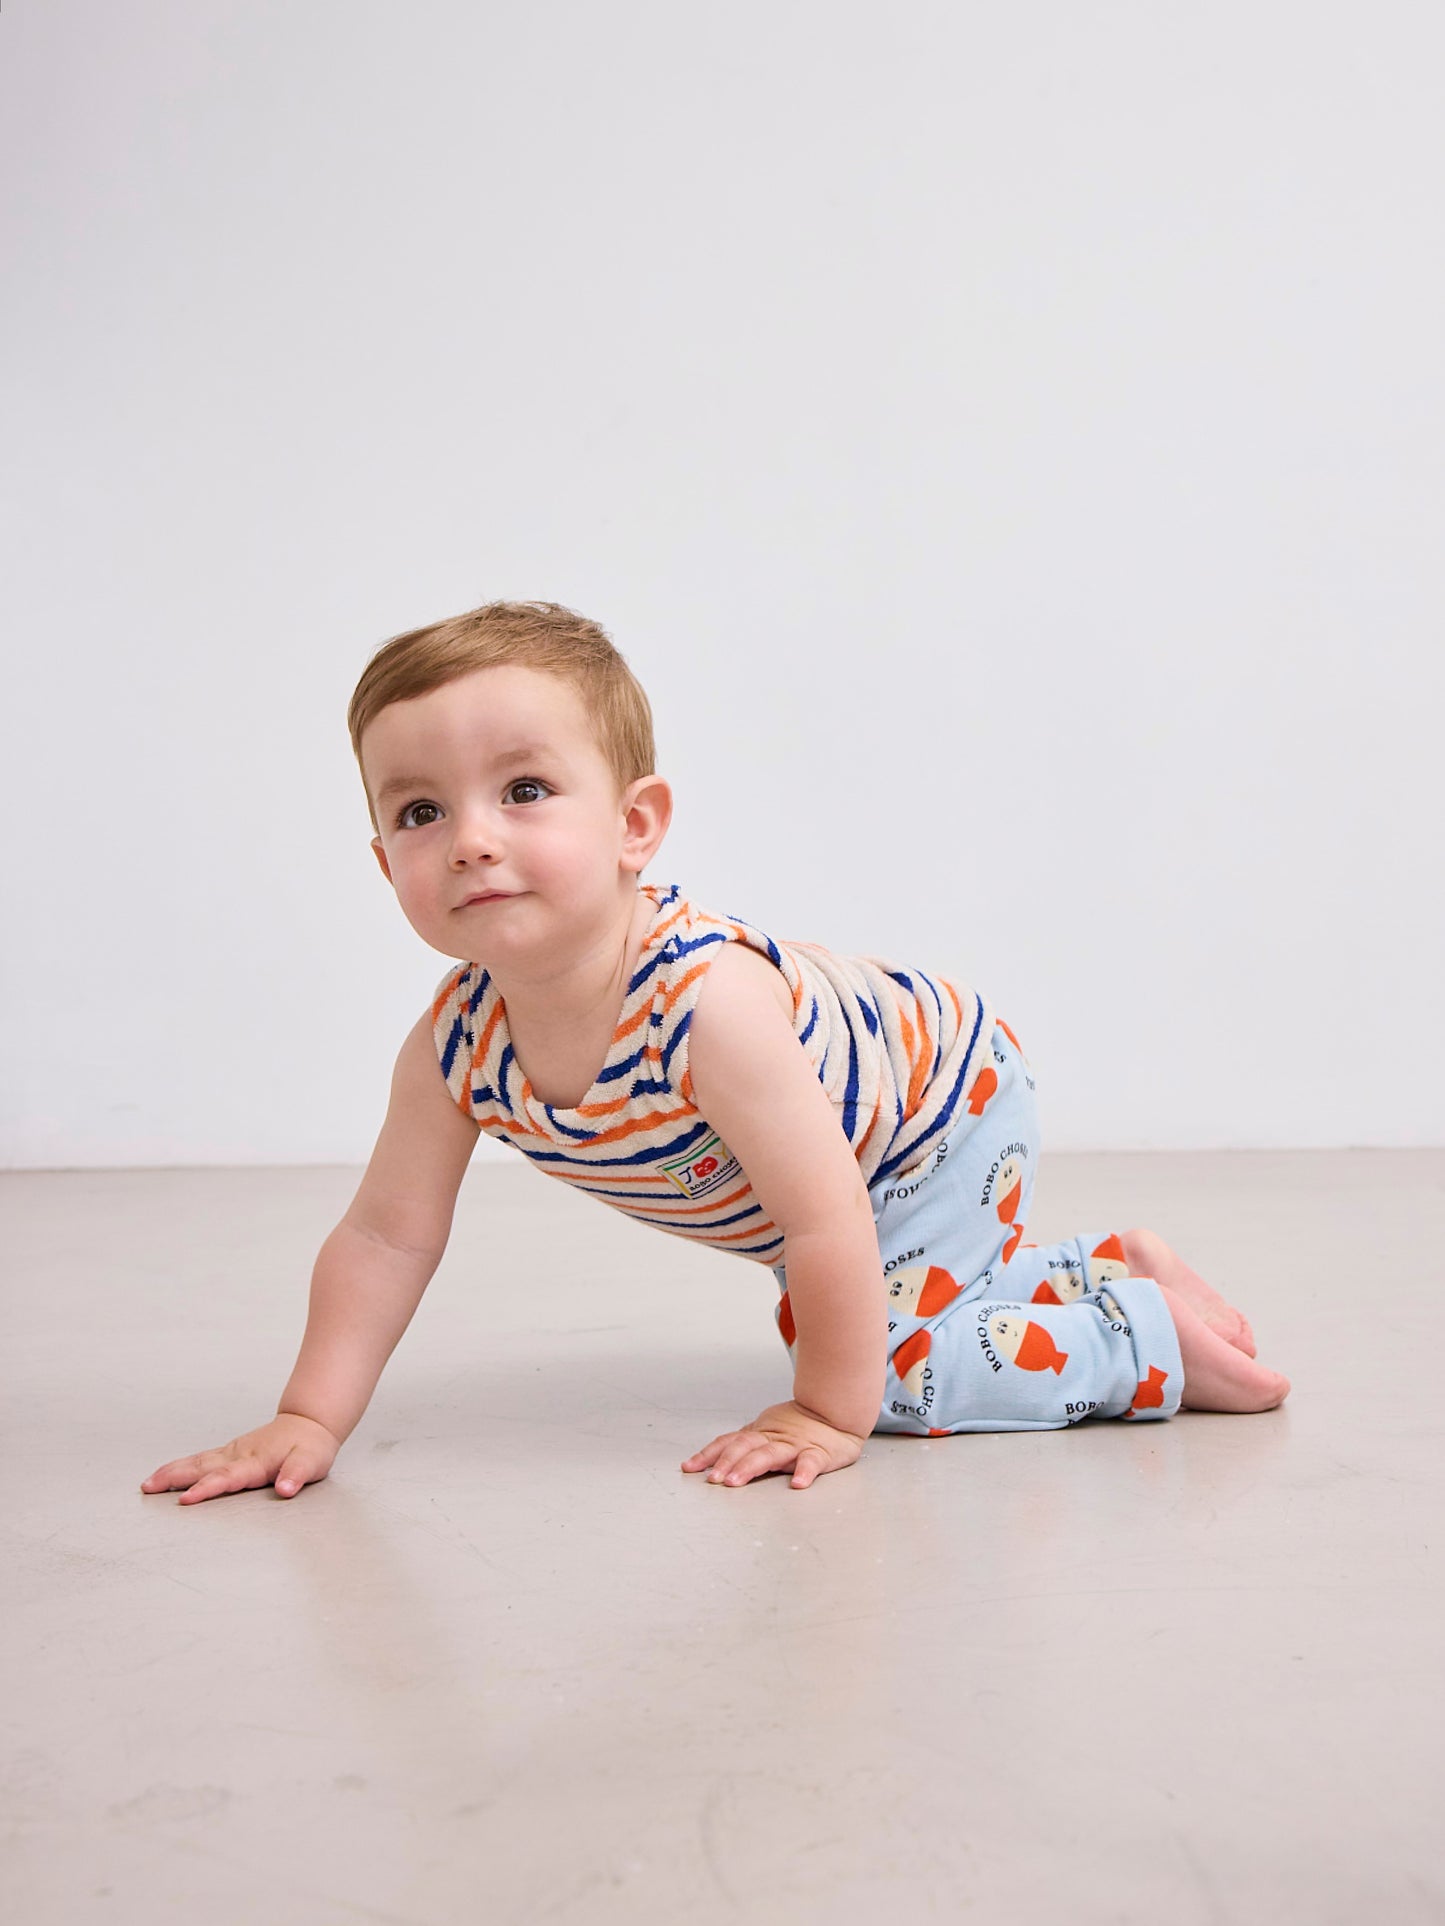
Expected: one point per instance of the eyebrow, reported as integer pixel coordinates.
(517, 752)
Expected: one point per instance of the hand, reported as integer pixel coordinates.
(290, 1451)
(785, 1435)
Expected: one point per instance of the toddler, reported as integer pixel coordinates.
(866, 1129)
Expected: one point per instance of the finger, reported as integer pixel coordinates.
(812, 1462)
(763, 1458)
(180, 1471)
(299, 1468)
(241, 1476)
(701, 1459)
(735, 1447)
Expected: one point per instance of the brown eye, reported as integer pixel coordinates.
(402, 823)
(528, 790)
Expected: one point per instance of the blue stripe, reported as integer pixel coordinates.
(612, 1071)
(753, 930)
(449, 1051)
(812, 1023)
(731, 1250)
(648, 969)
(850, 1089)
(650, 1087)
(671, 950)
(699, 943)
(938, 1029)
(870, 1016)
(483, 1093)
(946, 1117)
(674, 1223)
(653, 1155)
(684, 1025)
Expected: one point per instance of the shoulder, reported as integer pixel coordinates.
(740, 981)
(742, 1028)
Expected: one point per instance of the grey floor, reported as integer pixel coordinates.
(509, 1664)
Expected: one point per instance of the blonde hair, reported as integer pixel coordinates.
(540, 635)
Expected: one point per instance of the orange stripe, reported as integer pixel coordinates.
(516, 1126)
(445, 997)
(598, 1177)
(919, 1076)
(603, 1109)
(677, 989)
(652, 1121)
(626, 1029)
(877, 1111)
(909, 1038)
(733, 1237)
(484, 1040)
(666, 1205)
(663, 928)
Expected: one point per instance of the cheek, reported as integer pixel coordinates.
(415, 878)
(562, 849)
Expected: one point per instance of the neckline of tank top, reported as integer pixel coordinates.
(667, 898)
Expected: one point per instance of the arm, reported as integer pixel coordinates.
(753, 1082)
(368, 1280)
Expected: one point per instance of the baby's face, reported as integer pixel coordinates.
(501, 827)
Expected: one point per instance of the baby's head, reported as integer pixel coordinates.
(507, 754)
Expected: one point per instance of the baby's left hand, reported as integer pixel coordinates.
(784, 1435)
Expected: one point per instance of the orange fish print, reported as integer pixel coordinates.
(1107, 1261)
(1009, 1194)
(785, 1321)
(1150, 1392)
(910, 1360)
(1011, 1243)
(1028, 1344)
(984, 1085)
(1010, 1035)
(1060, 1287)
(921, 1292)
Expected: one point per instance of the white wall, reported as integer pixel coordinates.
(1005, 440)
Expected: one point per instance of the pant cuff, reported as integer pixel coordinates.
(1159, 1366)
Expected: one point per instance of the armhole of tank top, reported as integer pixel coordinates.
(734, 933)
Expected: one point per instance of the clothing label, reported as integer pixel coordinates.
(707, 1169)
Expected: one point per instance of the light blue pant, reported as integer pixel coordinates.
(986, 1332)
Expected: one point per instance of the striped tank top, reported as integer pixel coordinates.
(896, 1050)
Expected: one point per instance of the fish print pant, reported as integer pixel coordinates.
(986, 1332)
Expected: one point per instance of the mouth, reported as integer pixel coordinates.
(485, 896)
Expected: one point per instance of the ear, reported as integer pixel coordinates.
(381, 858)
(646, 812)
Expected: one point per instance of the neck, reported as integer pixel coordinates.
(570, 996)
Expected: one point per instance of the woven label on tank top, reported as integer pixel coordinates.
(706, 1169)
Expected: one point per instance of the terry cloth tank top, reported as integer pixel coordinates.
(896, 1051)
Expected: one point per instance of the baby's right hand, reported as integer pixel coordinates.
(290, 1452)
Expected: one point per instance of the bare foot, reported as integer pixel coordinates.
(1149, 1256)
(1217, 1376)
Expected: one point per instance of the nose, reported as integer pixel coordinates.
(475, 838)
